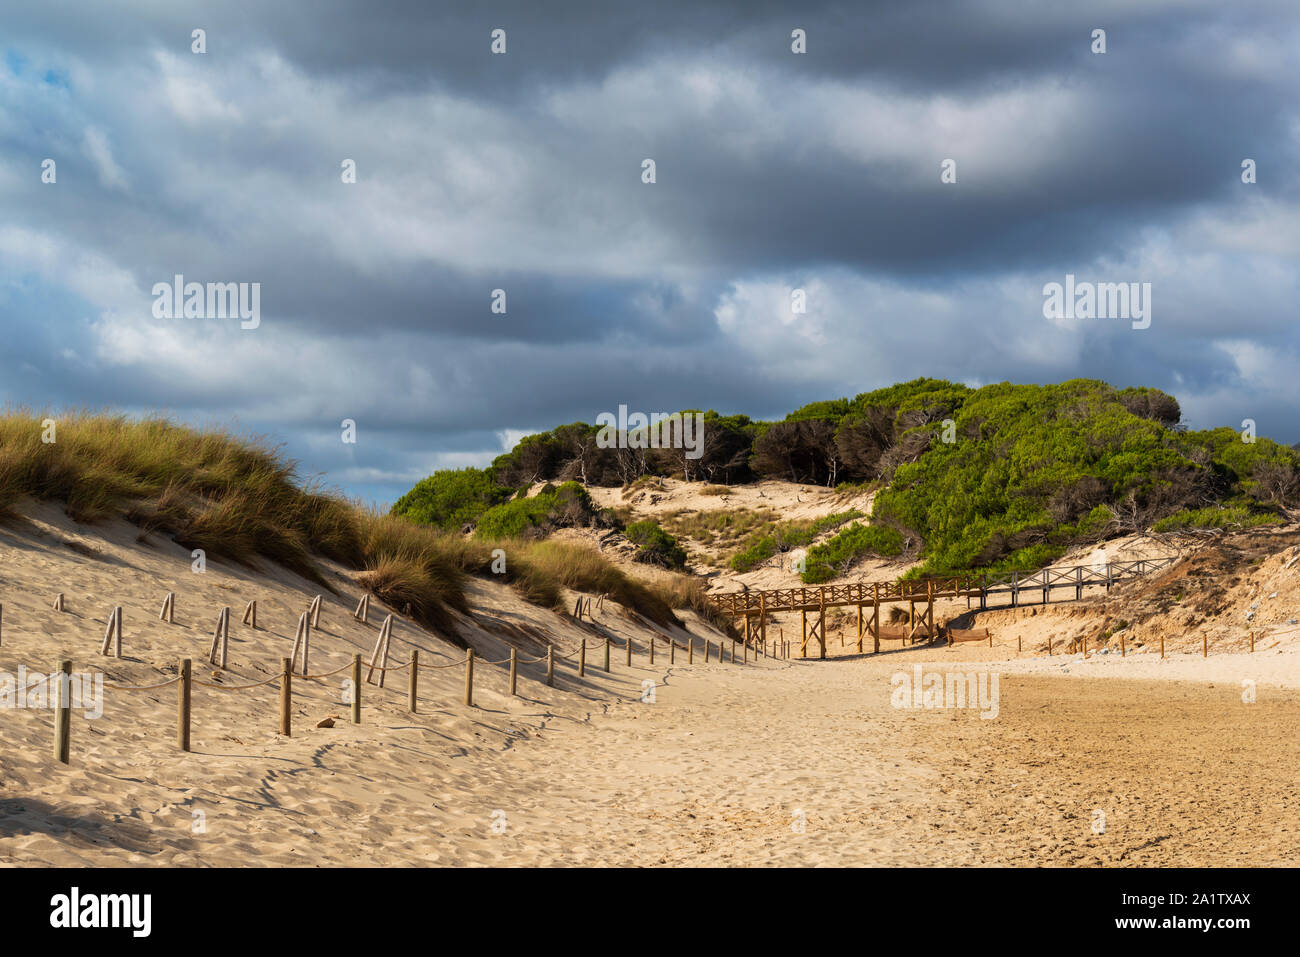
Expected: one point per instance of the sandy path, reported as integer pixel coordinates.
(714, 772)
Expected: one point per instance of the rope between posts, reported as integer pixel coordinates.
(206, 684)
(326, 674)
(391, 668)
(164, 684)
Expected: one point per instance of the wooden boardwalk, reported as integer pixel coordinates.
(755, 606)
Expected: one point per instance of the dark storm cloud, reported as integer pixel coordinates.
(522, 172)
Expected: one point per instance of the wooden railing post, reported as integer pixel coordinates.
(514, 671)
(469, 677)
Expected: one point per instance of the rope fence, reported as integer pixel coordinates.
(218, 652)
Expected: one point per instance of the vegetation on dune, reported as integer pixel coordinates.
(451, 499)
(234, 496)
(1001, 477)
(836, 555)
(1041, 468)
(239, 498)
(654, 545)
(783, 536)
(562, 506)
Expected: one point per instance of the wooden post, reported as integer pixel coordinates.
(108, 635)
(550, 664)
(514, 671)
(379, 656)
(413, 683)
(314, 608)
(1162, 646)
(745, 660)
(1252, 642)
(63, 718)
(875, 617)
(690, 650)
(607, 646)
(803, 625)
(929, 609)
(1123, 653)
(301, 640)
(582, 658)
(859, 627)
(469, 677)
(672, 651)
(1205, 644)
(652, 649)
(250, 614)
(821, 623)
(362, 614)
(706, 650)
(1049, 645)
(286, 695)
(1020, 646)
(166, 613)
(58, 602)
(223, 626)
(356, 688)
(629, 651)
(183, 693)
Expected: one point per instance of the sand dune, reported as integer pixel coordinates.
(770, 763)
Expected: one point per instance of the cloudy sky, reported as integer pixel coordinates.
(522, 171)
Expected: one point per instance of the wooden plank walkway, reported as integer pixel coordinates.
(754, 606)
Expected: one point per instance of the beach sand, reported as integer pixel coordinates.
(769, 763)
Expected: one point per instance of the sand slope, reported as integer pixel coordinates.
(770, 763)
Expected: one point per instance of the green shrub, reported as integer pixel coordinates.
(562, 506)
(451, 499)
(1237, 516)
(833, 556)
(786, 535)
(656, 546)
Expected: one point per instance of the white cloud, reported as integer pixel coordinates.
(95, 146)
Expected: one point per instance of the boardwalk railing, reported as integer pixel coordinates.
(755, 606)
(741, 603)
